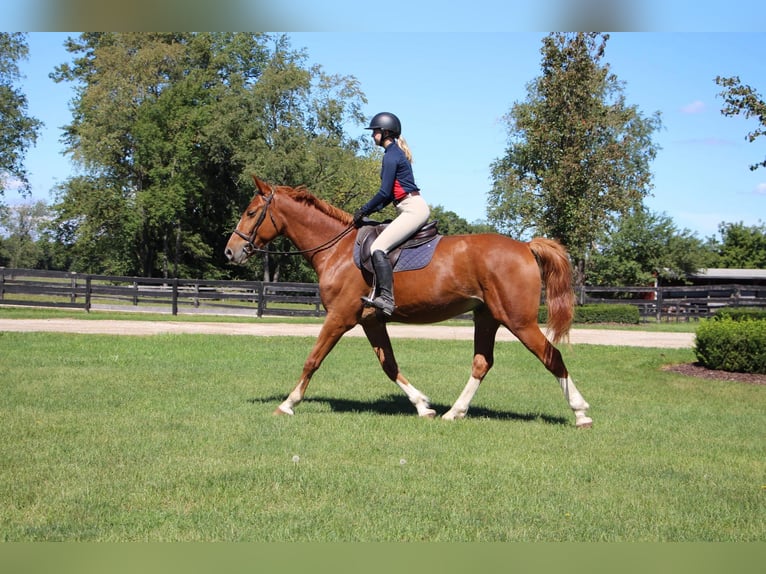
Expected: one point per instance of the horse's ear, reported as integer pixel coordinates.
(261, 186)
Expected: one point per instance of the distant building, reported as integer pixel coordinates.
(714, 276)
(720, 287)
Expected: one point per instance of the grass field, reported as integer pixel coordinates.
(171, 438)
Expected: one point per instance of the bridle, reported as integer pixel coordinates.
(250, 248)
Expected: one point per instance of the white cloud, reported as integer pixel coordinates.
(696, 107)
(760, 189)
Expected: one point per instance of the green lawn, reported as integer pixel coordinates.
(171, 438)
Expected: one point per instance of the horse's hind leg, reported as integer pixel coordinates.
(381, 343)
(534, 340)
(484, 332)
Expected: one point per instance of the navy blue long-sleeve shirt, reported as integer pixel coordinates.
(396, 180)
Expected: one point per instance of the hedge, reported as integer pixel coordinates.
(599, 313)
(729, 345)
(740, 313)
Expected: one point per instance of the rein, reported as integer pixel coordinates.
(251, 248)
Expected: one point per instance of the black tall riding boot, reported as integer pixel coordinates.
(384, 282)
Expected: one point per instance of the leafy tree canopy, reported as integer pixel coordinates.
(450, 223)
(169, 128)
(644, 245)
(18, 131)
(741, 99)
(578, 154)
(742, 246)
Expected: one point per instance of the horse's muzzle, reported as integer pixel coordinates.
(236, 254)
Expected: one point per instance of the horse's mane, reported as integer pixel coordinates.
(302, 194)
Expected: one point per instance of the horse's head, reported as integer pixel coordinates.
(256, 227)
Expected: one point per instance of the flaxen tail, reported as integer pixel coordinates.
(556, 270)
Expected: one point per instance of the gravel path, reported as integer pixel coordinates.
(108, 327)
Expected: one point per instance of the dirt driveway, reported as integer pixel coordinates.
(108, 327)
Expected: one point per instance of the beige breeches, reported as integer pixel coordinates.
(413, 213)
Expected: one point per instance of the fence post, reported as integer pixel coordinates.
(175, 296)
(659, 303)
(261, 298)
(2, 283)
(87, 293)
(73, 284)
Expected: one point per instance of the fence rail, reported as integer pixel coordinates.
(678, 303)
(257, 298)
(177, 296)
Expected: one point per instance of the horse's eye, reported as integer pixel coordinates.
(251, 212)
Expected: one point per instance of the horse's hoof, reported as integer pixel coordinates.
(279, 411)
(454, 415)
(428, 414)
(584, 423)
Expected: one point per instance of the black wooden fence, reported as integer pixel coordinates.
(258, 298)
(108, 292)
(677, 303)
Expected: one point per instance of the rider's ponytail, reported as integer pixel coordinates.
(405, 148)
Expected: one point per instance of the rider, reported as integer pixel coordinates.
(397, 184)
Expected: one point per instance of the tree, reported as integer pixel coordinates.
(644, 245)
(18, 131)
(157, 187)
(742, 246)
(297, 138)
(578, 155)
(450, 223)
(169, 129)
(21, 227)
(742, 99)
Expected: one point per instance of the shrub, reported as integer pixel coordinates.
(740, 313)
(729, 345)
(606, 313)
(599, 313)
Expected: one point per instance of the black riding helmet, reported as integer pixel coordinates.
(387, 122)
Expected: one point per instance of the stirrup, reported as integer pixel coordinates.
(385, 305)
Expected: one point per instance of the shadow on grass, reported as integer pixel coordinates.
(399, 405)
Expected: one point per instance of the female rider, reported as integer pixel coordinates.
(397, 185)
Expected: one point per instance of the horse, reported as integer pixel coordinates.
(497, 278)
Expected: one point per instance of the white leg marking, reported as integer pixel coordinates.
(417, 398)
(292, 399)
(576, 402)
(460, 408)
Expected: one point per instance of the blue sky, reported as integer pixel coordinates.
(451, 89)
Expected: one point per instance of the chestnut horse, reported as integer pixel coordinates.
(494, 276)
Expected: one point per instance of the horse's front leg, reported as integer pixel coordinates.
(332, 330)
(377, 334)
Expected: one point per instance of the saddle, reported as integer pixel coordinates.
(415, 253)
